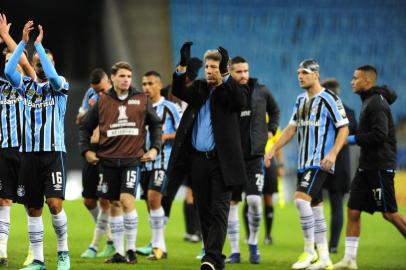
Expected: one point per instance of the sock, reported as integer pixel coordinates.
(101, 228)
(130, 228)
(351, 247)
(157, 219)
(189, 221)
(117, 232)
(320, 232)
(36, 236)
(4, 229)
(60, 223)
(268, 215)
(233, 229)
(254, 217)
(94, 212)
(307, 224)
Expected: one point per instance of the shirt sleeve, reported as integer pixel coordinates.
(293, 118)
(337, 111)
(10, 71)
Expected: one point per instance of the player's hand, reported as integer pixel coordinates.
(224, 60)
(185, 53)
(95, 136)
(150, 155)
(328, 161)
(91, 157)
(4, 27)
(40, 35)
(268, 156)
(28, 27)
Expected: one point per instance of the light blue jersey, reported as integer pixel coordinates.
(169, 114)
(317, 120)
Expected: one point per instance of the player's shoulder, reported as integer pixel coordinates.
(170, 105)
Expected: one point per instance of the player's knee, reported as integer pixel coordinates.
(89, 203)
(5, 202)
(388, 216)
(104, 204)
(353, 215)
(54, 205)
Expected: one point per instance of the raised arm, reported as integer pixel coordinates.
(179, 88)
(12, 45)
(54, 79)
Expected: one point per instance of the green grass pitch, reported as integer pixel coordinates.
(381, 246)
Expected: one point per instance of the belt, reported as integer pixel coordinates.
(209, 154)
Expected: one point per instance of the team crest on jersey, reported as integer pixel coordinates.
(20, 191)
(6, 91)
(30, 92)
(122, 115)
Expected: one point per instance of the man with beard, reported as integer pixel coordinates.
(254, 135)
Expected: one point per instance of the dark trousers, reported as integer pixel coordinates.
(213, 202)
(337, 216)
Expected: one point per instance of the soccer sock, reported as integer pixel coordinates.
(94, 212)
(188, 214)
(351, 247)
(4, 229)
(130, 228)
(60, 223)
(320, 232)
(268, 220)
(101, 228)
(117, 232)
(157, 226)
(254, 217)
(233, 229)
(36, 236)
(307, 224)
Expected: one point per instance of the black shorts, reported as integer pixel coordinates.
(255, 172)
(311, 182)
(373, 191)
(41, 174)
(90, 180)
(9, 169)
(155, 180)
(271, 179)
(117, 180)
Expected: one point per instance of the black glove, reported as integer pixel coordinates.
(185, 53)
(224, 60)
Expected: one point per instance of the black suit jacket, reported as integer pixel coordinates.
(226, 103)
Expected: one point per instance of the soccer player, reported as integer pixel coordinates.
(43, 150)
(372, 189)
(320, 122)
(121, 114)
(99, 83)
(11, 105)
(254, 135)
(153, 178)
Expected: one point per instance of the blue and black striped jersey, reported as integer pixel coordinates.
(317, 120)
(169, 114)
(43, 116)
(11, 106)
(89, 99)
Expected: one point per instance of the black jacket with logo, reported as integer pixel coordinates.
(376, 130)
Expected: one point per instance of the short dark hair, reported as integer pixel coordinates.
(368, 68)
(238, 60)
(97, 75)
(152, 73)
(120, 65)
(331, 84)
